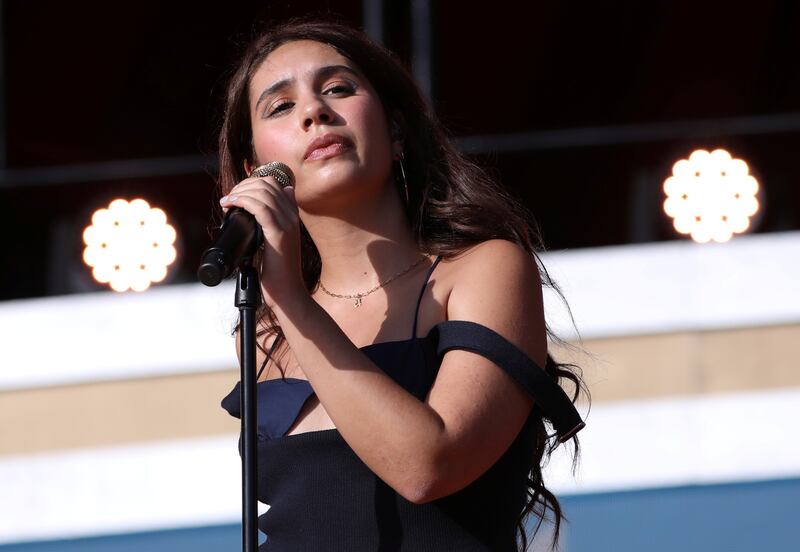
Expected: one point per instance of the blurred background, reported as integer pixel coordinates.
(111, 434)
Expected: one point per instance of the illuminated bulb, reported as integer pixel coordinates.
(129, 245)
(711, 196)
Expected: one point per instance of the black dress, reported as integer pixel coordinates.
(322, 497)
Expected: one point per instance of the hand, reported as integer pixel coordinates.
(275, 210)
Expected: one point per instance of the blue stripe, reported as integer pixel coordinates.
(731, 517)
(734, 517)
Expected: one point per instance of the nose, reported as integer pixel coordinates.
(317, 111)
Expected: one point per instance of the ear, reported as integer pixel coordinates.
(250, 165)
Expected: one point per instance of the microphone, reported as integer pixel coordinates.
(239, 236)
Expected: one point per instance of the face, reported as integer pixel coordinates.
(311, 108)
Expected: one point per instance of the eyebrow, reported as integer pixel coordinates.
(321, 73)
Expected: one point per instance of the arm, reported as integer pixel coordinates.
(474, 411)
(424, 450)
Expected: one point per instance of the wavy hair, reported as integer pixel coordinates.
(452, 205)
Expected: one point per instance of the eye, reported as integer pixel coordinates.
(277, 108)
(339, 88)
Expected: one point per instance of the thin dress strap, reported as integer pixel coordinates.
(421, 293)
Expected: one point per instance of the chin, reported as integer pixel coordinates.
(333, 187)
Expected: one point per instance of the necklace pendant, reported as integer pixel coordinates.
(357, 303)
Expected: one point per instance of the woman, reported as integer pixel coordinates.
(401, 403)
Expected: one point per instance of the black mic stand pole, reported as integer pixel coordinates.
(248, 299)
(240, 237)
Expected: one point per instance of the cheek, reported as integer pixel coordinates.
(375, 129)
(260, 149)
(381, 146)
(270, 147)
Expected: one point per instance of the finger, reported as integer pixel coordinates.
(263, 209)
(267, 196)
(250, 183)
(263, 215)
(289, 193)
(282, 201)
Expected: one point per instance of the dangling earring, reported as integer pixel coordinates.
(403, 175)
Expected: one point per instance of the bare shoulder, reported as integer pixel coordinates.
(496, 262)
(496, 283)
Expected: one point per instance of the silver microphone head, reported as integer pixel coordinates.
(280, 172)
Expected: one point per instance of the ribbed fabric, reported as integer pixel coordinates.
(322, 497)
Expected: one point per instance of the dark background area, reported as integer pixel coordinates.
(87, 83)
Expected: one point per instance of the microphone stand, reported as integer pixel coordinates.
(248, 299)
(240, 240)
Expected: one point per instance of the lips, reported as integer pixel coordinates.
(327, 145)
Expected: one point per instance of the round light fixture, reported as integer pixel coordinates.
(129, 245)
(711, 196)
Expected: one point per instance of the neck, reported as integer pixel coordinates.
(363, 245)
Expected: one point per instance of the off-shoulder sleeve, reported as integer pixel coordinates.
(551, 399)
(279, 403)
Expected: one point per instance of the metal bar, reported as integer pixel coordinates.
(422, 46)
(3, 112)
(373, 14)
(497, 143)
(629, 134)
(107, 170)
(643, 207)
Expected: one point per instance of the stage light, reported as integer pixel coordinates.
(711, 196)
(129, 245)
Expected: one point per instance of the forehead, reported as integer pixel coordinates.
(294, 59)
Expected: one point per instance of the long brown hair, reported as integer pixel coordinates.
(452, 203)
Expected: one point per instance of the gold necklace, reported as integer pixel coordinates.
(359, 296)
